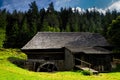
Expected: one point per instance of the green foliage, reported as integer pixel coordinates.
(87, 72)
(25, 28)
(114, 32)
(2, 37)
(51, 7)
(116, 50)
(117, 69)
(68, 28)
(3, 17)
(33, 11)
(51, 29)
(15, 29)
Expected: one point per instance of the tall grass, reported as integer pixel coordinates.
(10, 71)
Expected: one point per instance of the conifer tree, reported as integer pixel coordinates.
(113, 32)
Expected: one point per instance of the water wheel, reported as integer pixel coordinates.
(47, 67)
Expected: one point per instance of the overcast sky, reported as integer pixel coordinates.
(22, 5)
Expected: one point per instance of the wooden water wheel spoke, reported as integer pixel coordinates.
(53, 68)
(44, 68)
(47, 67)
(50, 67)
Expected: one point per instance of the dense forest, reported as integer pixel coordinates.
(22, 26)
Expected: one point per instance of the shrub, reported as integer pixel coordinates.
(87, 72)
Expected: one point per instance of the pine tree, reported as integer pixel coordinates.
(113, 32)
(50, 18)
(51, 7)
(3, 17)
(32, 18)
(68, 28)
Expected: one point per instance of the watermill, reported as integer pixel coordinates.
(47, 67)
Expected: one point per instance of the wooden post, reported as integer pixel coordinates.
(82, 63)
(102, 68)
(34, 64)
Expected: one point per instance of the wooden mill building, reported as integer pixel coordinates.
(52, 51)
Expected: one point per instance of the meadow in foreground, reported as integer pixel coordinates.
(10, 71)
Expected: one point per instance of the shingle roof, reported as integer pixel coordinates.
(88, 50)
(51, 40)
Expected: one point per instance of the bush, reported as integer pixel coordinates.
(117, 69)
(87, 72)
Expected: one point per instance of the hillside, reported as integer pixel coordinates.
(10, 71)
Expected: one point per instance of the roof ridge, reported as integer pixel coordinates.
(68, 32)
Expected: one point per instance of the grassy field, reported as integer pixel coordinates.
(9, 71)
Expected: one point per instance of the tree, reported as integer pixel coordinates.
(48, 28)
(113, 32)
(64, 14)
(11, 40)
(51, 7)
(33, 10)
(68, 28)
(33, 18)
(3, 21)
(24, 34)
(41, 18)
(51, 18)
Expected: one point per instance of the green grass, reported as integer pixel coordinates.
(9, 71)
(2, 37)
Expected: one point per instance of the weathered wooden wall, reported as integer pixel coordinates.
(69, 60)
(35, 56)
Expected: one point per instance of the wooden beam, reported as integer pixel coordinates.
(83, 61)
